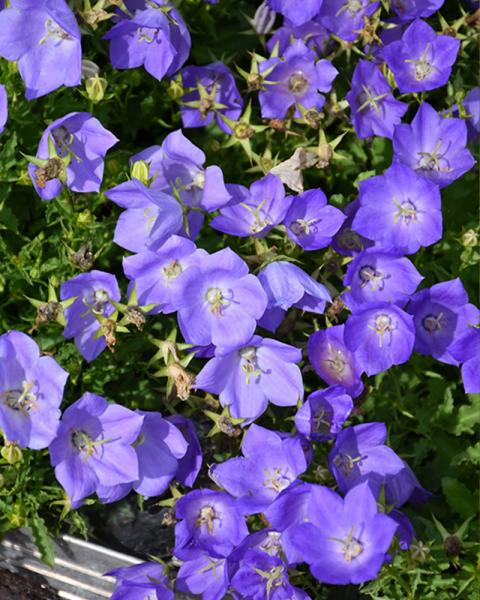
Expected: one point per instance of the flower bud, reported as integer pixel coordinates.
(264, 19)
(139, 171)
(470, 239)
(96, 87)
(11, 453)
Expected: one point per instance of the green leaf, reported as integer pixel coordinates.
(468, 415)
(42, 540)
(459, 497)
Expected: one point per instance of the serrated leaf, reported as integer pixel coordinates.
(42, 540)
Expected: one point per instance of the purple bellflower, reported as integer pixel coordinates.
(153, 274)
(471, 103)
(209, 91)
(77, 144)
(3, 107)
(378, 276)
(246, 379)
(324, 413)
(421, 60)
(218, 301)
(407, 10)
(205, 576)
(93, 292)
(432, 146)
(360, 454)
(153, 35)
(441, 315)
(190, 464)
(400, 210)
(294, 81)
(312, 33)
(253, 211)
(347, 539)
(270, 464)
(177, 167)
(310, 222)
(44, 37)
(150, 219)
(374, 110)
(345, 17)
(287, 285)
(347, 241)
(333, 361)
(93, 447)
(466, 350)
(380, 335)
(208, 522)
(297, 15)
(31, 390)
(138, 582)
(404, 487)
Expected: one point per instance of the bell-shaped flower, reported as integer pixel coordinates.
(324, 412)
(31, 390)
(44, 38)
(466, 350)
(205, 576)
(407, 10)
(295, 13)
(145, 580)
(345, 18)
(190, 464)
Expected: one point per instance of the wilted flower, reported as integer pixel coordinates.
(432, 146)
(333, 361)
(246, 379)
(374, 110)
(31, 390)
(210, 91)
(347, 539)
(345, 17)
(80, 143)
(93, 292)
(269, 465)
(93, 447)
(322, 415)
(44, 38)
(255, 211)
(138, 580)
(296, 80)
(208, 522)
(400, 210)
(379, 336)
(154, 36)
(421, 60)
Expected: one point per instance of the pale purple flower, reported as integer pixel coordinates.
(153, 35)
(255, 211)
(269, 465)
(3, 107)
(379, 336)
(407, 10)
(31, 390)
(190, 464)
(324, 412)
(333, 361)
(295, 13)
(83, 141)
(374, 110)
(347, 241)
(295, 80)
(471, 103)
(312, 33)
(93, 447)
(205, 576)
(466, 350)
(138, 582)
(44, 38)
(93, 292)
(344, 18)
(421, 60)
(310, 222)
(432, 146)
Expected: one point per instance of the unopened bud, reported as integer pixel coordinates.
(96, 87)
(264, 19)
(89, 69)
(182, 379)
(140, 171)
(11, 453)
(175, 89)
(470, 239)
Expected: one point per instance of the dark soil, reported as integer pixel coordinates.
(24, 587)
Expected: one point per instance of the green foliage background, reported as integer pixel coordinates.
(432, 424)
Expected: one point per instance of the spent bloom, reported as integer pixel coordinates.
(311, 222)
(93, 447)
(153, 35)
(253, 211)
(91, 309)
(347, 539)
(44, 37)
(209, 92)
(218, 301)
(31, 390)
(379, 276)
(287, 285)
(374, 110)
(333, 361)
(145, 580)
(246, 379)
(400, 210)
(324, 412)
(208, 522)
(270, 464)
(441, 315)
(294, 80)
(379, 335)
(71, 151)
(344, 18)
(433, 146)
(421, 60)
